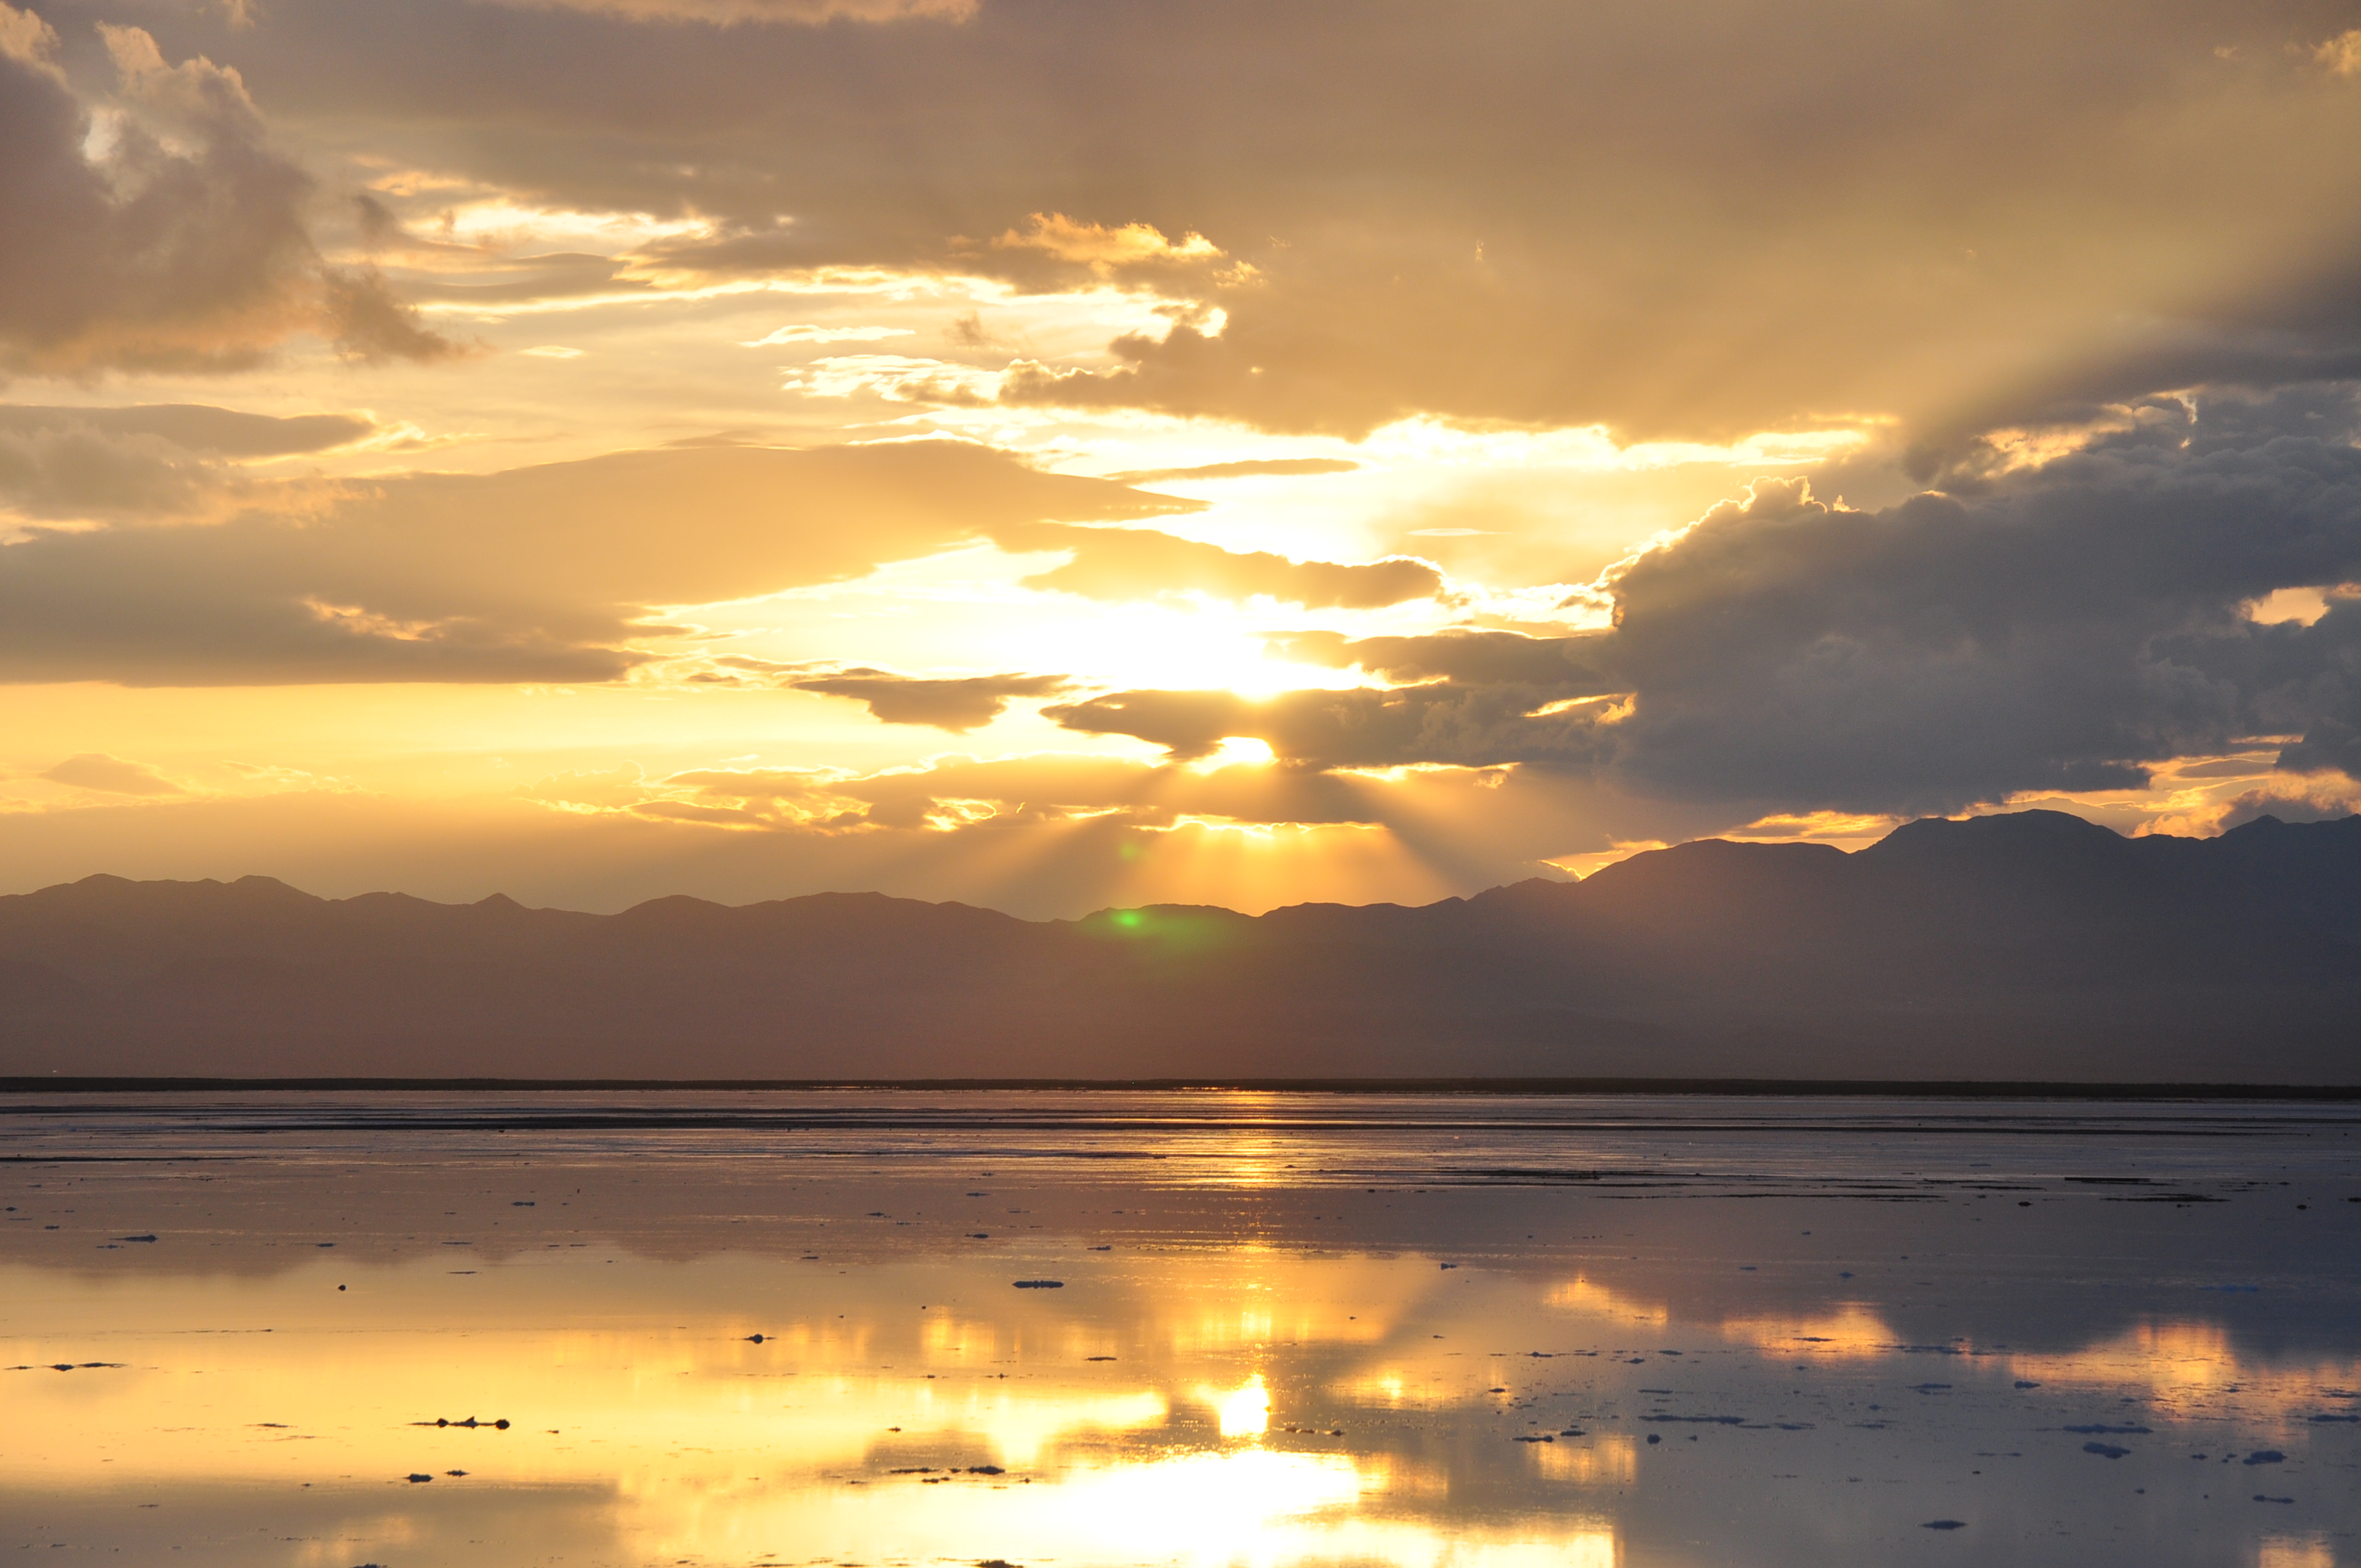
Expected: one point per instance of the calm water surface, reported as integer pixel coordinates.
(771, 1328)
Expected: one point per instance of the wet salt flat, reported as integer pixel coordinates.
(1199, 1329)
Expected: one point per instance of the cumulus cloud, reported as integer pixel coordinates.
(2061, 626)
(2060, 630)
(957, 705)
(166, 235)
(546, 573)
(106, 774)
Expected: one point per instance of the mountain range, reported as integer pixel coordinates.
(2028, 946)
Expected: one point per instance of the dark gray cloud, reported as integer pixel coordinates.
(541, 574)
(2059, 628)
(181, 244)
(1473, 726)
(1138, 564)
(956, 705)
(1485, 658)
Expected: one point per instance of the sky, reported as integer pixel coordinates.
(1054, 455)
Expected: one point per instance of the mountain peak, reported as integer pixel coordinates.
(268, 885)
(2038, 831)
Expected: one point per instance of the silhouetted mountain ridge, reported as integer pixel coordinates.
(2029, 945)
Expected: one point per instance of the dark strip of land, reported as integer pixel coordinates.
(1900, 1089)
(1993, 957)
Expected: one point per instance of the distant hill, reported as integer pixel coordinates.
(2029, 946)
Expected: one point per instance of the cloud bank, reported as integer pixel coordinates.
(2061, 628)
(546, 573)
(1703, 223)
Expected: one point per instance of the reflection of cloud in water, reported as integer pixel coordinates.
(1610, 1460)
(1851, 1333)
(1263, 1374)
(672, 1434)
(1593, 1300)
(2185, 1365)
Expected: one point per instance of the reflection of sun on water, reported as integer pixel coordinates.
(1399, 1387)
(958, 1341)
(1248, 1508)
(2295, 1552)
(1243, 1412)
(1210, 1505)
(684, 1441)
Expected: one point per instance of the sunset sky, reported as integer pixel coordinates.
(1056, 455)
